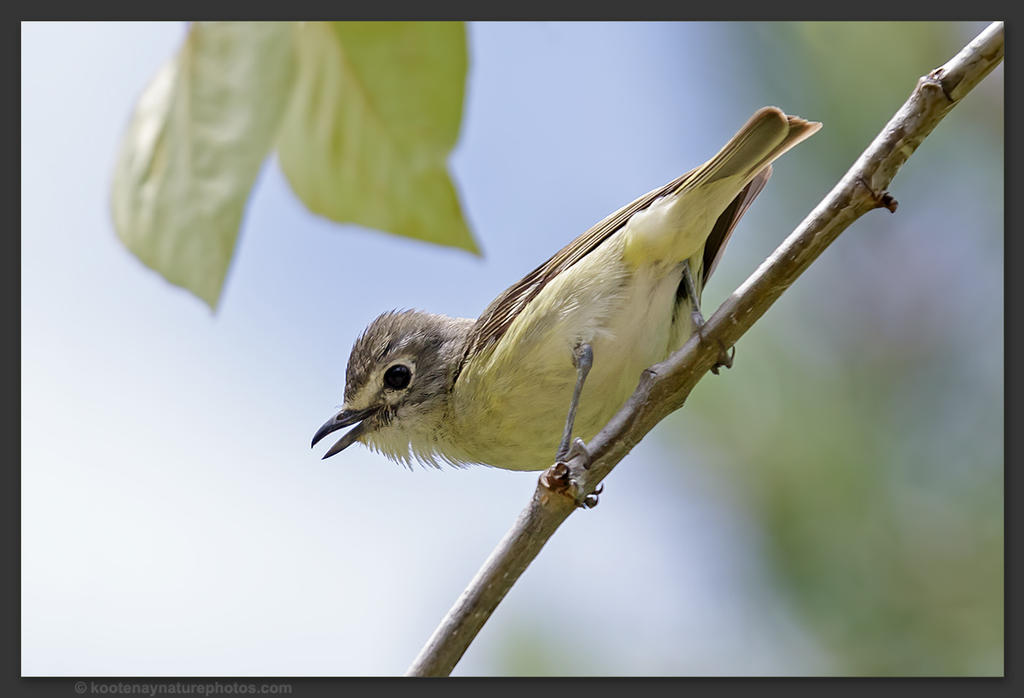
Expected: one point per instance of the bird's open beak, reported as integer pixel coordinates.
(343, 419)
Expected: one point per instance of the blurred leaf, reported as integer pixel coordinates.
(376, 110)
(194, 146)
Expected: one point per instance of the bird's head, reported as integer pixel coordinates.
(399, 378)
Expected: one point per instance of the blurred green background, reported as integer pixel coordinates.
(862, 427)
(831, 505)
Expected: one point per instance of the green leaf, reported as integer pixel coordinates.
(375, 112)
(194, 145)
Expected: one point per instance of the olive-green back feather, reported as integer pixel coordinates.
(502, 312)
(767, 134)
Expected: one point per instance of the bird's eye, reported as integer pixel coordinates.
(397, 377)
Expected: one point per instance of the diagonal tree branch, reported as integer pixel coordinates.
(665, 386)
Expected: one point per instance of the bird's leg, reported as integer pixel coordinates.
(582, 359)
(724, 357)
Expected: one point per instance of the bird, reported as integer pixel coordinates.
(558, 352)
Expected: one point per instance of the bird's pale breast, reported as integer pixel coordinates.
(510, 403)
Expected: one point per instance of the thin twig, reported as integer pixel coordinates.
(664, 387)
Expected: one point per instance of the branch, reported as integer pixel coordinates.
(664, 387)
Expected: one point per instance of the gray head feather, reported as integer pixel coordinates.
(431, 347)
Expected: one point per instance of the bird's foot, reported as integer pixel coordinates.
(882, 199)
(559, 477)
(725, 356)
(576, 448)
(590, 501)
(724, 359)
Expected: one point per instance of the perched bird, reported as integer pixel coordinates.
(559, 352)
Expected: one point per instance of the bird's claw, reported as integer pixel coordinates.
(559, 478)
(578, 448)
(724, 359)
(882, 199)
(590, 501)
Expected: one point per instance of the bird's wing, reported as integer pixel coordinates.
(500, 314)
(726, 222)
(767, 135)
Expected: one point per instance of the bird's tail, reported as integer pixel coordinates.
(705, 203)
(767, 135)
